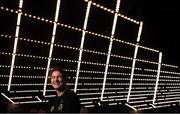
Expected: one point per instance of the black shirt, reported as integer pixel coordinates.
(67, 103)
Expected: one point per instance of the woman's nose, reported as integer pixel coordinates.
(56, 78)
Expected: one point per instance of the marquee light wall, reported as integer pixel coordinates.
(99, 47)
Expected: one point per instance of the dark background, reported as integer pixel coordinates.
(161, 23)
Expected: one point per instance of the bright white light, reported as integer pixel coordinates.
(90, 106)
(15, 43)
(140, 31)
(157, 79)
(26, 97)
(27, 102)
(110, 47)
(90, 102)
(52, 44)
(38, 98)
(132, 72)
(131, 106)
(7, 98)
(111, 11)
(82, 43)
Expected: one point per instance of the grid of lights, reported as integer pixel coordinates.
(74, 48)
(81, 30)
(134, 98)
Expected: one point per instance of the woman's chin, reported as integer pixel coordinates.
(56, 86)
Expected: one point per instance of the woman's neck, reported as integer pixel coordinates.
(59, 93)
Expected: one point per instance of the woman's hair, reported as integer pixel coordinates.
(60, 69)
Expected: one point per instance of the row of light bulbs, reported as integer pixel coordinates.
(74, 48)
(113, 12)
(68, 47)
(75, 28)
(115, 66)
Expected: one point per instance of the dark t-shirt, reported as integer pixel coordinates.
(67, 103)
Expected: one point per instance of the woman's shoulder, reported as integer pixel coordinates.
(70, 92)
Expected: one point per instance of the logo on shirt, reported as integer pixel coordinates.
(60, 106)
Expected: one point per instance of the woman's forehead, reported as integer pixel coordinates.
(56, 72)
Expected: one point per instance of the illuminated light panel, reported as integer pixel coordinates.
(7, 98)
(142, 105)
(96, 93)
(145, 108)
(169, 77)
(139, 32)
(175, 90)
(131, 106)
(90, 102)
(49, 90)
(38, 98)
(137, 95)
(172, 98)
(27, 97)
(86, 89)
(134, 59)
(10, 10)
(167, 93)
(150, 49)
(23, 67)
(169, 65)
(170, 80)
(23, 91)
(92, 98)
(142, 91)
(52, 42)
(110, 97)
(177, 73)
(146, 75)
(173, 87)
(140, 101)
(145, 61)
(89, 106)
(96, 52)
(163, 106)
(157, 79)
(113, 12)
(132, 72)
(27, 102)
(15, 42)
(153, 105)
(138, 98)
(110, 47)
(16, 76)
(49, 95)
(29, 84)
(113, 104)
(95, 83)
(82, 43)
(74, 28)
(165, 102)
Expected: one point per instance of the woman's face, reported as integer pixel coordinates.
(57, 80)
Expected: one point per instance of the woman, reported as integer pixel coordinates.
(65, 101)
